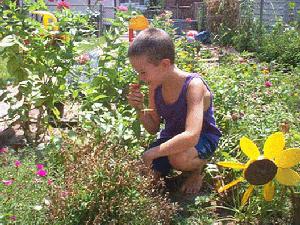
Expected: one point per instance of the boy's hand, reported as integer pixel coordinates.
(135, 97)
(149, 156)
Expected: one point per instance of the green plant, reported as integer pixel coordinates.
(98, 185)
(38, 61)
(275, 47)
(24, 190)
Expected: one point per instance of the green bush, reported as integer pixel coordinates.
(281, 45)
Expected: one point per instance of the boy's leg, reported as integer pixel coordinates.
(193, 160)
(189, 161)
(160, 166)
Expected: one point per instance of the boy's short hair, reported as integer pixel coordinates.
(154, 43)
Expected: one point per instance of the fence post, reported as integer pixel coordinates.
(261, 12)
(100, 20)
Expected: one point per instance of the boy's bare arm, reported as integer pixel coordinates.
(148, 120)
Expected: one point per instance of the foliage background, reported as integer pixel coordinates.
(93, 170)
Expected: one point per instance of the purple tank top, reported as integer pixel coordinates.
(175, 114)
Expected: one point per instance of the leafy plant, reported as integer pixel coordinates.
(288, 52)
(38, 61)
(99, 186)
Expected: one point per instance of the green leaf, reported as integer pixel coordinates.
(99, 97)
(56, 112)
(75, 93)
(136, 128)
(8, 41)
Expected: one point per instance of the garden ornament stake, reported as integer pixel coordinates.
(137, 23)
(262, 169)
(47, 17)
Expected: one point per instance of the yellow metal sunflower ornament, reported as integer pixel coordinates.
(50, 19)
(262, 169)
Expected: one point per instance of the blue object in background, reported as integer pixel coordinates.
(204, 37)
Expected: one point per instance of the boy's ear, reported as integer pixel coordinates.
(166, 63)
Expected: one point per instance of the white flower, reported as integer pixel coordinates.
(47, 202)
(37, 207)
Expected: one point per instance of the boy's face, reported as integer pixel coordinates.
(149, 73)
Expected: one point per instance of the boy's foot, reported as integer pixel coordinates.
(193, 183)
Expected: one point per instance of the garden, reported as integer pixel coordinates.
(76, 152)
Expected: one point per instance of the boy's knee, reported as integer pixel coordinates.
(179, 161)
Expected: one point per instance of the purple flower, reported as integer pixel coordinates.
(39, 166)
(7, 182)
(268, 84)
(41, 173)
(17, 163)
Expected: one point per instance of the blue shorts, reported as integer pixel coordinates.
(205, 148)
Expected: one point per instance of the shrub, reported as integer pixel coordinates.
(281, 45)
(103, 184)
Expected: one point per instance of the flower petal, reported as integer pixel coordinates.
(247, 194)
(288, 158)
(274, 145)
(232, 183)
(234, 165)
(249, 148)
(287, 177)
(269, 190)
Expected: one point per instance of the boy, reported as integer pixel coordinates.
(182, 100)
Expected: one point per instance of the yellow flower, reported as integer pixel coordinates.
(262, 169)
(265, 71)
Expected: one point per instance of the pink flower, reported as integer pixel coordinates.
(188, 20)
(3, 150)
(50, 181)
(122, 8)
(41, 173)
(64, 194)
(39, 166)
(163, 14)
(191, 33)
(268, 84)
(13, 218)
(17, 163)
(63, 5)
(82, 59)
(7, 182)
